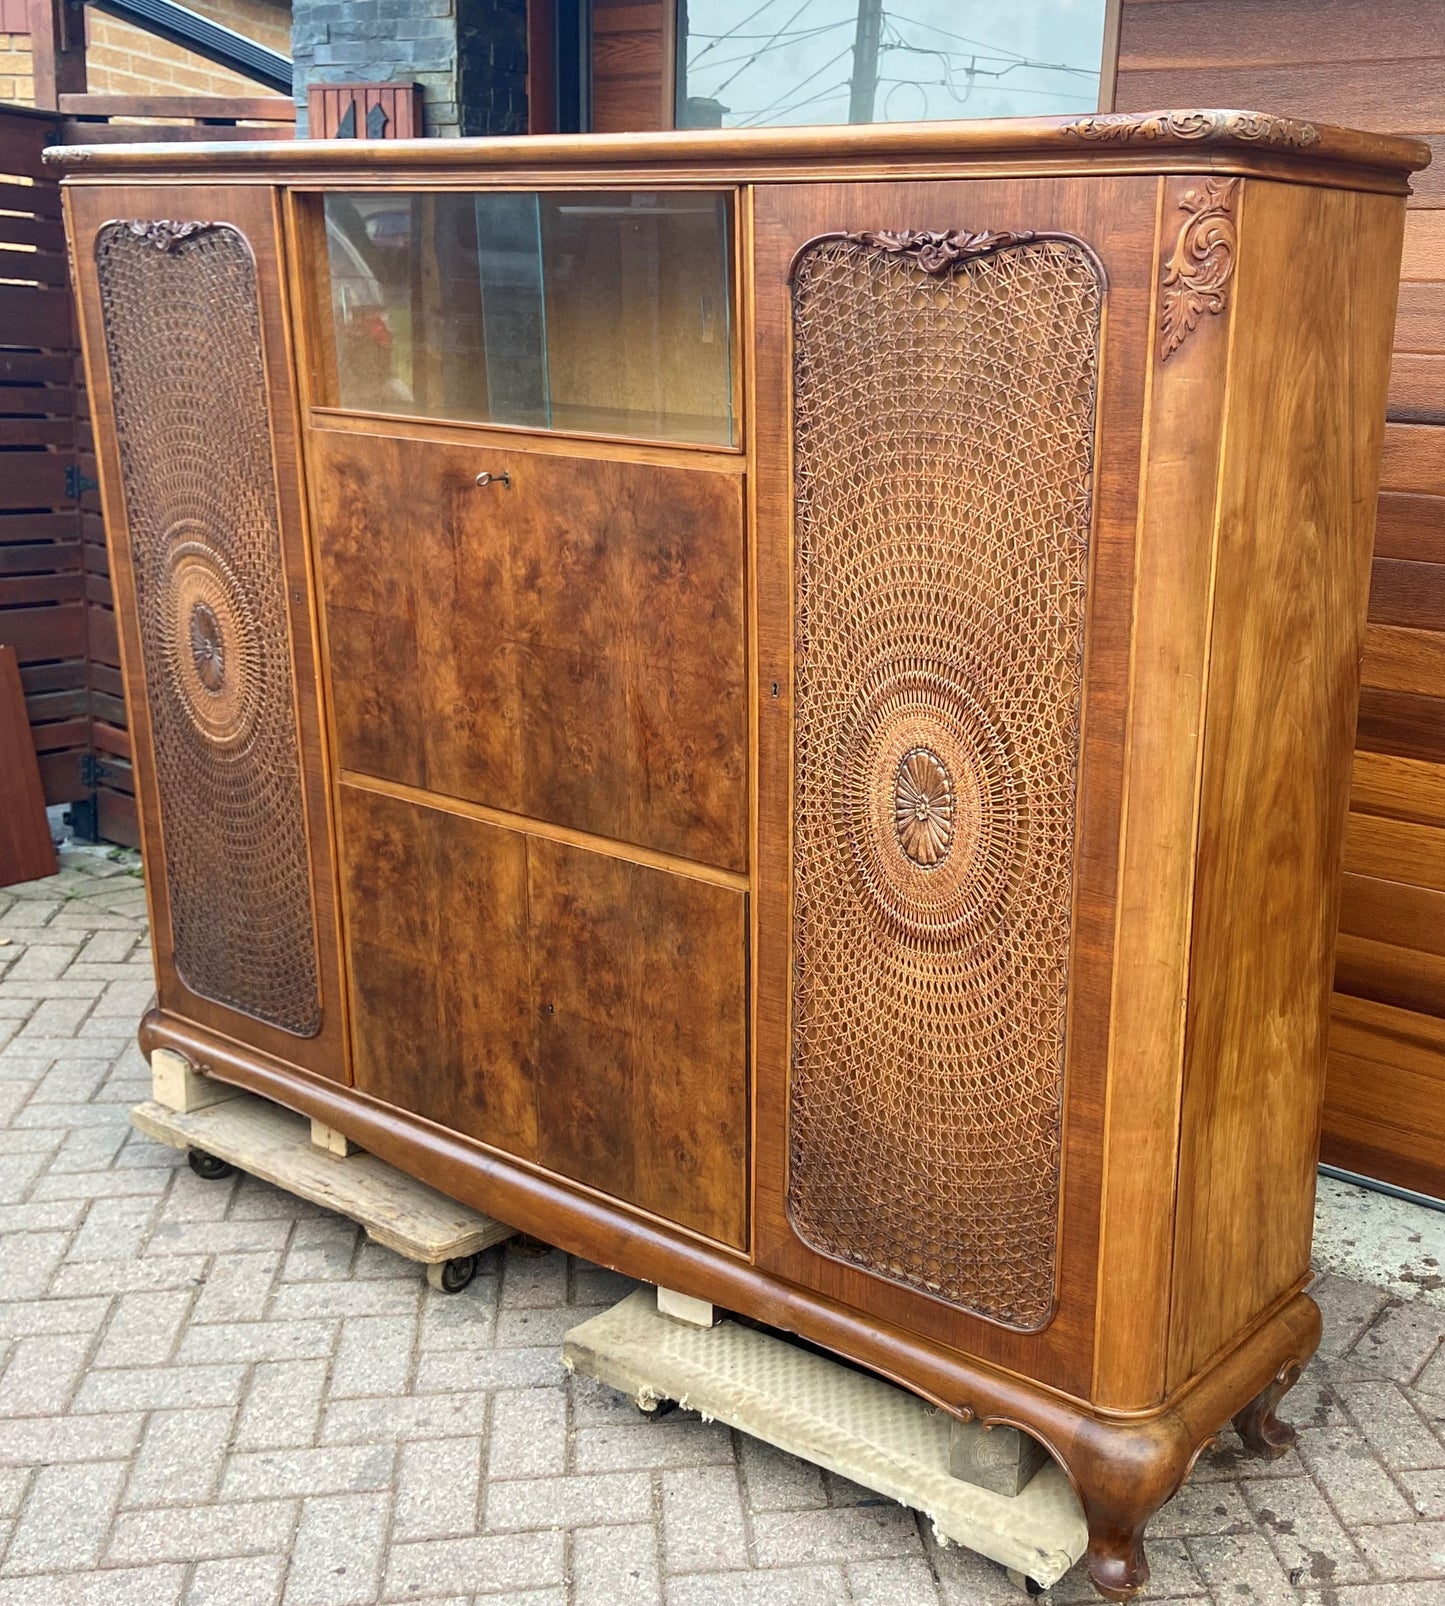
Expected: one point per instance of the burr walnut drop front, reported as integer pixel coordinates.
(775, 710)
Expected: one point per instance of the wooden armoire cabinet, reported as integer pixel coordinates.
(776, 710)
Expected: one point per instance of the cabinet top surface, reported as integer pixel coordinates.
(1161, 141)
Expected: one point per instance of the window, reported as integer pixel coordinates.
(601, 312)
(756, 63)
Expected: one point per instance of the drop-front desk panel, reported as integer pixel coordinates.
(776, 710)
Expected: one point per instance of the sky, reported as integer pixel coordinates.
(791, 61)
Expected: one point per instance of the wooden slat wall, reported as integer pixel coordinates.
(1378, 64)
(55, 602)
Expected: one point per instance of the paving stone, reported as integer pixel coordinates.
(703, 1529)
(1410, 1550)
(1346, 1470)
(1392, 1425)
(338, 1552)
(581, 1501)
(1308, 1538)
(65, 1518)
(282, 1407)
(615, 1566)
(685, 1443)
(437, 1489)
(180, 1457)
(332, 1469)
(122, 1586)
(237, 1581)
(257, 1341)
(198, 1533)
(42, 1374)
(1401, 1341)
(143, 1328)
(69, 1438)
(789, 1586)
(1426, 1492)
(528, 1435)
(1242, 1565)
(161, 1387)
(374, 1356)
(773, 1480)
(489, 1565)
(237, 1287)
(907, 1581)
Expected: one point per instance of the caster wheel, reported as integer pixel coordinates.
(451, 1276)
(1030, 1586)
(208, 1165)
(656, 1411)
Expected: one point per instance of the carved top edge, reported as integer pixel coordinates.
(1147, 135)
(1210, 127)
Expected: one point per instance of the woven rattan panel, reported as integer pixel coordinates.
(183, 337)
(944, 421)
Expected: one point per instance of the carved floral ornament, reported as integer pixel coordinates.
(1247, 128)
(1197, 274)
(165, 234)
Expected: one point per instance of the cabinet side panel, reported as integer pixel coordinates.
(1314, 291)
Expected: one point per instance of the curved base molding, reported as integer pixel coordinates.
(1123, 1467)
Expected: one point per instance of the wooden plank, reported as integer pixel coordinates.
(31, 526)
(57, 632)
(34, 480)
(1407, 593)
(33, 368)
(40, 317)
(1414, 459)
(26, 851)
(44, 233)
(18, 589)
(1403, 660)
(61, 735)
(1224, 35)
(75, 132)
(40, 678)
(1424, 253)
(1417, 388)
(1398, 788)
(61, 774)
(116, 817)
(1389, 97)
(39, 200)
(268, 1142)
(1386, 1082)
(40, 557)
(1420, 317)
(48, 706)
(236, 108)
(1395, 850)
(37, 267)
(1391, 912)
(1411, 526)
(1390, 974)
(109, 737)
(34, 432)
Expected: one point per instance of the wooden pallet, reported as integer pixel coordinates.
(252, 1134)
(843, 1419)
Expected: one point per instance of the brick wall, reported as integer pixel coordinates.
(469, 56)
(17, 83)
(125, 60)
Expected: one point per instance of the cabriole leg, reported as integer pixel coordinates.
(1262, 1431)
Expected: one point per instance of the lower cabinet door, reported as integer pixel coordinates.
(572, 1008)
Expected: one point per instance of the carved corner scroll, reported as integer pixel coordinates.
(1201, 265)
(1246, 128)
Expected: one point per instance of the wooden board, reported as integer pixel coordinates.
(838, 1417)
(265, 1141)
(26, 851)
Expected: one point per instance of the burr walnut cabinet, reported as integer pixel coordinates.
(776, 710)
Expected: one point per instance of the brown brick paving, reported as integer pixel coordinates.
(212, 1394)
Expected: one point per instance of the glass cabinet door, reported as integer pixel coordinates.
(597, 312)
